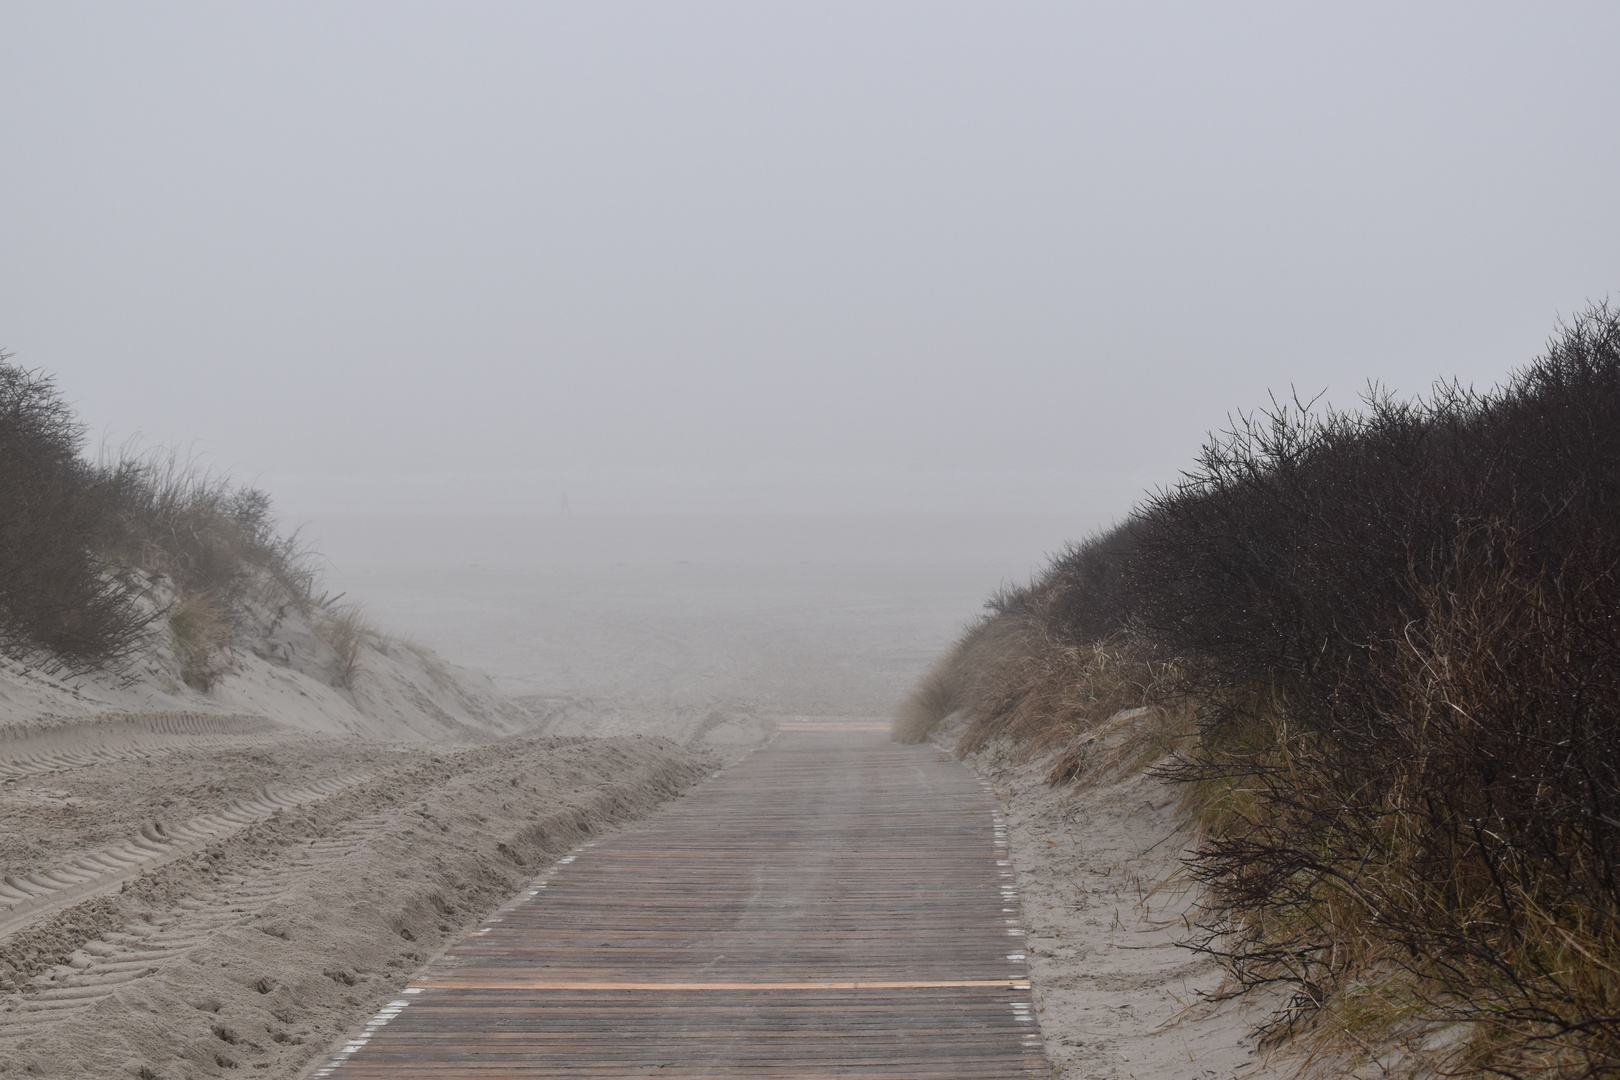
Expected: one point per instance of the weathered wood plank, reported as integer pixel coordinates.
(834, 906)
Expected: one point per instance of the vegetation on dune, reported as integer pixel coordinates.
(100, 559)
(203, 532)
(1383, 648)
(58, 596)
(345, 628)
(212, 543)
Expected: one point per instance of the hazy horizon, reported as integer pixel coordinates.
(829, 258)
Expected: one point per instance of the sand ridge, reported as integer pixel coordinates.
(28, 896)
(260, 945)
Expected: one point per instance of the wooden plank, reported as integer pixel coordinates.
(833, 906)
(509, 983)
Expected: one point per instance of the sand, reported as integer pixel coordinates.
(225, 884)
(282, 667)
(193, 883)
(258, 944)
(1106, 906)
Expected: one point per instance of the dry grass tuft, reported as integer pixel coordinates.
(935, 698)
(203, 632)
(1090, 707)
(964, 680)
(167, 514)
(346, 628)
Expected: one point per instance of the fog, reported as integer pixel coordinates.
(879, 264)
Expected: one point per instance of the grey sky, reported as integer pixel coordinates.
(674, 241)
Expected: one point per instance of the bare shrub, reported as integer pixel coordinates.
(59, 603)
(1470, 844)
(1396, 630)
(72, 535)
(1087, 590)
(1404, 625)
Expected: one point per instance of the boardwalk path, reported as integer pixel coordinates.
(833, 906)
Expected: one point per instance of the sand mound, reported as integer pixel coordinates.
(282, 667)
(262, 942)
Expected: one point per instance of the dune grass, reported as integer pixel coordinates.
(346, 628)
(1383, 648)
(169, 515)
(202, 632)
(101, 559)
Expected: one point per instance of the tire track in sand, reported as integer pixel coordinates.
(33, 749)
(28, 897)
(142, 948)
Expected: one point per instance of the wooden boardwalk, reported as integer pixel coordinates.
(835, 905)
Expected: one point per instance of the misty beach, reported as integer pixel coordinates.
(929, 541)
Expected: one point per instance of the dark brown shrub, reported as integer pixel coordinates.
(1400, 631)
(60, 606)
(71, 532)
